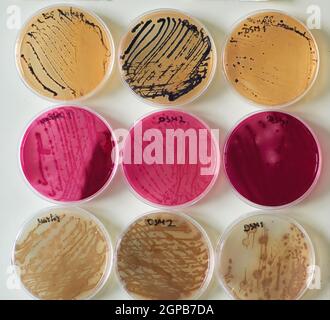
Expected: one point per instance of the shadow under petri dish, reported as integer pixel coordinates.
(62, 254)
(164, 256)
(66, 154)
(272, 159)
(64, 53)
(167, 57)
(170, 158)
(271, 58)
(265, 257)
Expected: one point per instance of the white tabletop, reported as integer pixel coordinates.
(219, 106)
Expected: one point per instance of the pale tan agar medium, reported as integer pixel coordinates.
(271, 59)
(62, 254)
(164, 256)
(265, 257)
(64, 53)
(167, 58)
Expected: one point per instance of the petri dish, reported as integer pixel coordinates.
(164, 256)
(68, 154)
(170, 159)
(265, 257)
(64, 53)
(167, 57)
(62, 253)
(271, 58)
(272, 159)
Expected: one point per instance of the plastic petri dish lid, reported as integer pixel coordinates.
(272, 159)
(170, 159)
(167, 57)
(62, 254)
(265, 257)
(68, 154)
(64, 53)
(271, 58)
(164, 256)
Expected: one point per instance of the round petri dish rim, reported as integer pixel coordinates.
(76, 202)
(184, 216)
(19, 39)
(250, 101)
(290, 204)
(78, 211)
(228, 230)
(209, 187)
(214, 56)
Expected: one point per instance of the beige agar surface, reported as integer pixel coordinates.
(64, 53)
(271, 58)
(163, 256)
(62, 254)
(167, 58)
(265, 257)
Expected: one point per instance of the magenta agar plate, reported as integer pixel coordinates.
(272, 159)
(170, 158)
(68, 154)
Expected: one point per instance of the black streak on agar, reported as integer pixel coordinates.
(37, 32)
(151, 49)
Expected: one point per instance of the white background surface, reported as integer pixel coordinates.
(219, 106)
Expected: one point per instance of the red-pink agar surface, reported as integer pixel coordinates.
(272, 159)
(66, 154)
(167, 184)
